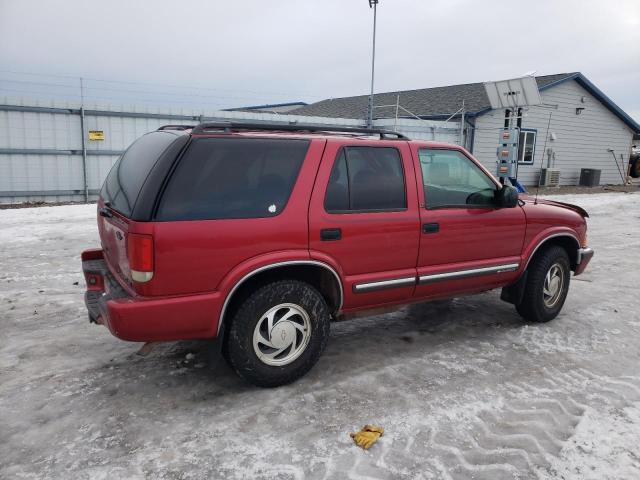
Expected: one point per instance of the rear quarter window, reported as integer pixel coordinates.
(126, 178)
(223, 178)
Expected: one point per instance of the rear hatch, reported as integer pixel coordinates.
(119, 195)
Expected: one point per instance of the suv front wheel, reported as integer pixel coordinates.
(547, 285)
(278, 333)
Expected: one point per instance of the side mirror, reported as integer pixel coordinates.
(507, 197)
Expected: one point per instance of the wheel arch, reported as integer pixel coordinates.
(566, 240)
(321, 276)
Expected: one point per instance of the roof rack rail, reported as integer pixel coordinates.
(227, 127)
(176, 127)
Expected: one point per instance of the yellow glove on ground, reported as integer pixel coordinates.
(367, 436)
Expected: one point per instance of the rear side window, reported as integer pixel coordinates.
(126, 177)
(366, 179)
(221, 178)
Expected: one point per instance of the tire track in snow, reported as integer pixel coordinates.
(521, 439)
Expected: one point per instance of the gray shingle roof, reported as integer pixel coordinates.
(425, 102)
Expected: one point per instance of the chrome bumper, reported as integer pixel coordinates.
(582, 259)
(584, 254)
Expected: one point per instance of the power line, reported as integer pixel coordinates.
(137, 92)
(77, 96)
(187, 87)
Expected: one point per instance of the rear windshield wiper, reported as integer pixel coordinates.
(105, 212)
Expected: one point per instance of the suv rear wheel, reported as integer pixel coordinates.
(547, 285)
(278, 333)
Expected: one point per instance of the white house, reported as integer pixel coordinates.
(577, 126)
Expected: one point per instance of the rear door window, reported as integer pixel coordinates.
(124, 182)
(220, 178)
(366, 179)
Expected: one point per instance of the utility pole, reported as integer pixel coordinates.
(84, 144)
(372, 4)
(462, 143)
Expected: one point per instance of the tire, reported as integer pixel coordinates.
(538, 304)
(299, 331)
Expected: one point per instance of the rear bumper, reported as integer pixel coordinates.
(145, 319)
(582, 260)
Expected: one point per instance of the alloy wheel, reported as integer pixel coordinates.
(553, 285)
(282, 334)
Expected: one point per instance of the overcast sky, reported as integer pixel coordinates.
(246, 52)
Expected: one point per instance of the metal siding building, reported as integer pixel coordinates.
(41, 148)
(41, 144)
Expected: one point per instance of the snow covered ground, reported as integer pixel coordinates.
(464, 389)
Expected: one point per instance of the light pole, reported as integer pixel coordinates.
(372, 4)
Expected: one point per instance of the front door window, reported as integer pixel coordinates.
(450, 179)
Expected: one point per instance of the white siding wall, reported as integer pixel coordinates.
(581, 140)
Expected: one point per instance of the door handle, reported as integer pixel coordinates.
(330, 234)
(430, 227)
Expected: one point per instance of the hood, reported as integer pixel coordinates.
(569, 206)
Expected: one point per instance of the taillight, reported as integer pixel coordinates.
(140, 253)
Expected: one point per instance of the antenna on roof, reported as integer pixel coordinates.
(372, 4)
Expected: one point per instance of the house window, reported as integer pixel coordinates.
(527, 146)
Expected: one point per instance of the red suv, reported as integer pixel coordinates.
(260, 235)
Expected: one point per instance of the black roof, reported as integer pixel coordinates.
(424, 102)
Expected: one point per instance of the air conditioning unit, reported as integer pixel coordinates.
(549, 177)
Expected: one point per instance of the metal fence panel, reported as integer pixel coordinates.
(41, 148)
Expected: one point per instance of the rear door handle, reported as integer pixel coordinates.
(330, 234)
(430, 227)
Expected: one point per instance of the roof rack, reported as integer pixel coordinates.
(176, 127)
(227, 127)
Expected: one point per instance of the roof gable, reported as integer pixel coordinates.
(423, 102)
(599, 94)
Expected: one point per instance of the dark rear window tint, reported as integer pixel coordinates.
(366, 179)
(221, 178)
(123, 184)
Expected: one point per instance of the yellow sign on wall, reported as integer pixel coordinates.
(96, 134)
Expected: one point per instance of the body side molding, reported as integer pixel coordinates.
(384, 284)
(471, 272)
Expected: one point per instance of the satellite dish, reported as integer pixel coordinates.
(516, 92)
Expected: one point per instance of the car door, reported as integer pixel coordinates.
(467, 242)
(363, 219)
